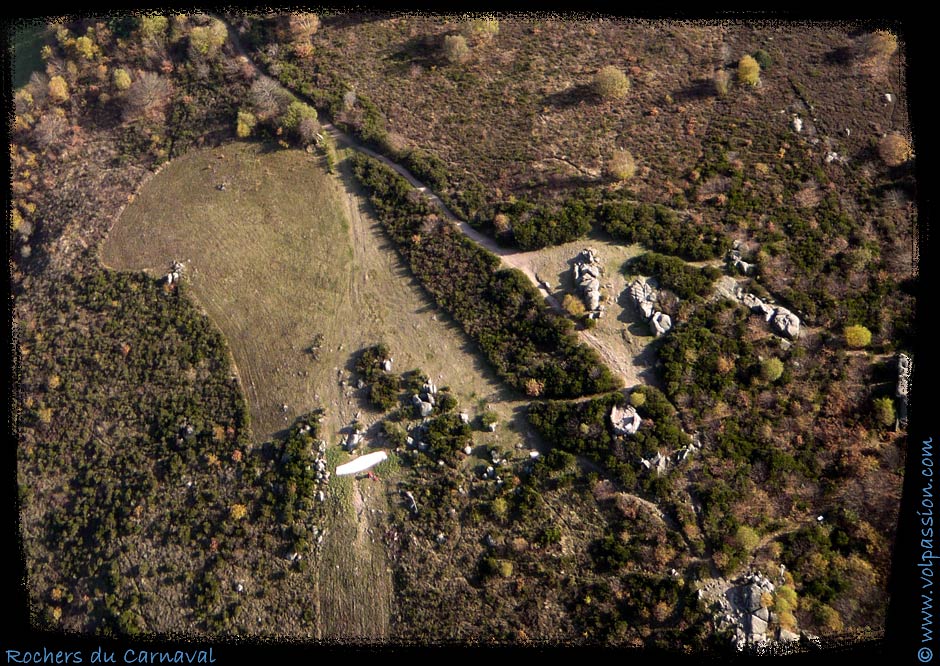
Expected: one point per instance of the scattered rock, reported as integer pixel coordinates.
(905, 366)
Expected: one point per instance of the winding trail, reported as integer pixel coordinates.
(615, 359)
(513, 259)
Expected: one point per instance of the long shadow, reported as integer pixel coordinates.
(416, 51)
(572, 96)
(839, 56)
(480, 363)
(699, 89)
(648, 356)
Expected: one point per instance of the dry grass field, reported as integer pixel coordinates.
(283, 254)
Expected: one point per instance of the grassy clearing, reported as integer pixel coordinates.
(621, 333)
(281, 255)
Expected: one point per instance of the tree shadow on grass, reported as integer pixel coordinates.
(571, 97)
(698, 90)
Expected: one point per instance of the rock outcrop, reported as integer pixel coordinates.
(905, 366)
(175, 274)
(661, 463)
(425, 400)
(782, 321)
(743, 607)
(624, 420)
(587, 272)
(643, 295)
(736, 260)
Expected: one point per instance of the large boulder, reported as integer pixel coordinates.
(758, 627)
(660, 323)
(624, 420)
(786, 323)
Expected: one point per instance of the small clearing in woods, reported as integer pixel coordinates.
(621, 337)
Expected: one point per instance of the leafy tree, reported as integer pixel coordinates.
(488, 418)
(86, 47)
(857, 337)
(771, 369)
(245, 124)
(748, 71)
(828, 618)
(121, 79)
(611, 83)
(573, 305)
(746, 538)
(763, 59)
(884, 411)
(207, 40)
(674, 274)
(153, 27)
(483, 28)
(58, 89)
(622, 165)
(455, 49)
(384, 391)
(301, 119)
(894, 149)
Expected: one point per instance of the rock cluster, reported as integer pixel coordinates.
(735, 259)
(643, 294)
(742, 606)
(587, 276)
(905, 366)
(175, 274)
(424, 401)
(783, 322)
(662, 463)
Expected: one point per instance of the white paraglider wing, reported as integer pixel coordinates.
(361, 463)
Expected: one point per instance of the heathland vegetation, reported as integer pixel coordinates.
(148, 504)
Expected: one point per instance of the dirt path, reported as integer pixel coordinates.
(618, 358)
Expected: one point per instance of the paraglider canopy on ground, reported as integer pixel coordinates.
(361, 463)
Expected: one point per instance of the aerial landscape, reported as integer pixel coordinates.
(505, 329)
